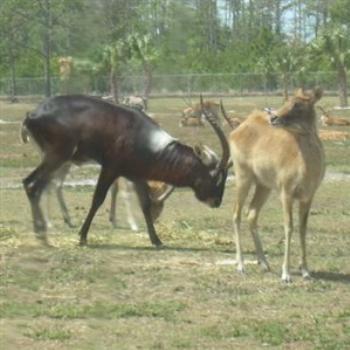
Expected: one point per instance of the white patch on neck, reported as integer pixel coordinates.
(159, 139)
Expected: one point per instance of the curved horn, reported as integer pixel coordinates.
(224, 144)
(164, 195)
(229, 122)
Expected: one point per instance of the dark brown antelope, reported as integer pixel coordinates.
(281, 151)
(125, 142)
(158, 192)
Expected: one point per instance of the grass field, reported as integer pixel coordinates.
(121, 293)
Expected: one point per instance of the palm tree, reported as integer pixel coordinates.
(334, 41)
(147, 53)
(113, 57)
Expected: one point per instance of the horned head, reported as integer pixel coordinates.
(298, 109)
(211, 189)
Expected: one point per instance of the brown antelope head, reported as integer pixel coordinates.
(298, 110)
(210, 189)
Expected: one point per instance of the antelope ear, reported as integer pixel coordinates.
(299, 92)
(317, 94)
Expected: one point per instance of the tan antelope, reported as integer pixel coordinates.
(193, 116)
(334, 135)
(279, 151)
(191, 121)
(234, 121)
(328, 120)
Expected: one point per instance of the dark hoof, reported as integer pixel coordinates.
(82, 243)
(158, 245)
(42, 238)
(40, 229)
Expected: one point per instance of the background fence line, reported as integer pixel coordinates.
(174, 84)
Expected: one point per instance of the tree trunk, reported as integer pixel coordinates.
(342, 85)
(285, 86)
(13, 97)
(47, 48)
(278, 16)
(114, 86)
(47, 73)
(148, 82)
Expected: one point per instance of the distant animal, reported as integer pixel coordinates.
(334, 135)
(191, 121)
(193, 116)
(65, 65)
(125, 142)
(278, 150)
(232, 120)
(135, 102)
(328, 120)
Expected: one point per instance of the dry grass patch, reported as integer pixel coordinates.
(119, 292)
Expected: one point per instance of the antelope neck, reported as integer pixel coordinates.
(178, 165)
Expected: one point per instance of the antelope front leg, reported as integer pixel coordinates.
(105, 180)
(237, 229)
(145, 202)
(304, 209)
(242, 192)
(287, 203)
(260, 196)
(127, 200)
(63, 205)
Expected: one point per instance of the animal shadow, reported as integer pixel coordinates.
(331, 276)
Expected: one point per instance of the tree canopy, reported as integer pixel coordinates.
(175, 36)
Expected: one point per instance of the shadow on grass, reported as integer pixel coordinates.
(331, 276)
(108, 246)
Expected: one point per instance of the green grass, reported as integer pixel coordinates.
(49, 334)
(121, 293)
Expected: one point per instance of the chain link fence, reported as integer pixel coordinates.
(173, 85)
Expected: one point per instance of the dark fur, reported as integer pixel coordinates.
(80, 128)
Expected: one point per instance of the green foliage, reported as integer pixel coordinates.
(175, 36)
(105, 310)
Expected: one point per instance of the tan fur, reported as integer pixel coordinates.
(187, 112)
(234, 122)
(65, 67)
(192, 116)
(191, 121)
(156, 190)
(327, 120)
(334, 135)
(210, 106)
(288, 158)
